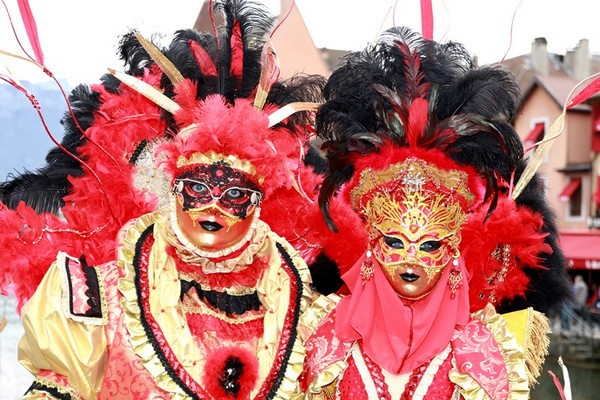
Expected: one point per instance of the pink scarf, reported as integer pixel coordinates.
(397, 334)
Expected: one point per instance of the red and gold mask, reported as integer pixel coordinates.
(215, 204)
(414, 219)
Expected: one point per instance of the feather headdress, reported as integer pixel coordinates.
(205, 93)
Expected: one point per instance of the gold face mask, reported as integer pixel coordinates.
(414, 223)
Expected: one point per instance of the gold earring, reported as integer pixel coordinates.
(366, 269)
(455, 279)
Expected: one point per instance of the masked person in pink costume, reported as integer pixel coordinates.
(419, 143)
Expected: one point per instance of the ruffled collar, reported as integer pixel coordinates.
(235, 258)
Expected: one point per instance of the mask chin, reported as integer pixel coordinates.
(411, 281)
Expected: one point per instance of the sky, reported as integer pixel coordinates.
(79, 38)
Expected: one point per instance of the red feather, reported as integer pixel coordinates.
(418, 115)
(588, 91)
(269, 68)
(215, 365)
(31, 28)
(509, 225)
(205, 63)
(412, 67)
(237, 50)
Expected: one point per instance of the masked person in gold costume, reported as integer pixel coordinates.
(173, 278)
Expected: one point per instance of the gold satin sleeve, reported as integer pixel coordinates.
(54, 342)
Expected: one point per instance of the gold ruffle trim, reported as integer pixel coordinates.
(318, 310)
(268, 294)
(137, 335)
(272, 297)
(514, 360)
(531, 330)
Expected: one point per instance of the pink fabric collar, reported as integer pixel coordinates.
(399, 335)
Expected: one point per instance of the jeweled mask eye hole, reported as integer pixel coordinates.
(430, 246)
(199, 188)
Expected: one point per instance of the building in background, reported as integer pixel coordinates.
(292, 42)
(571, 170)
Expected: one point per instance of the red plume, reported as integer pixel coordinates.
(206, 64)
(417, 120)
(237, 50)
(31, 28)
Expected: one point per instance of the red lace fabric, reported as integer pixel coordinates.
(349, 387)
(352, 384)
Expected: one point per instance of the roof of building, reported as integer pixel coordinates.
(558, 82)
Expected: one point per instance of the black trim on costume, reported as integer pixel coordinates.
(92, 289)
(50, 390)
(94, 300)
(223, 301)
(138, 288)
(138, 151)
(70, 284)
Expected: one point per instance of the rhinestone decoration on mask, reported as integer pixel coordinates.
(415, 202)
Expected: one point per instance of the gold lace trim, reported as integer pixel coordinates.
(37, 394)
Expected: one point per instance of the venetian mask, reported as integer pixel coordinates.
(414, 223)
(215, 204)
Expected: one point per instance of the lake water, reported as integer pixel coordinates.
(585, 381)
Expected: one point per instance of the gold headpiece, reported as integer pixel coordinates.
(414, 195)
(415, 175)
